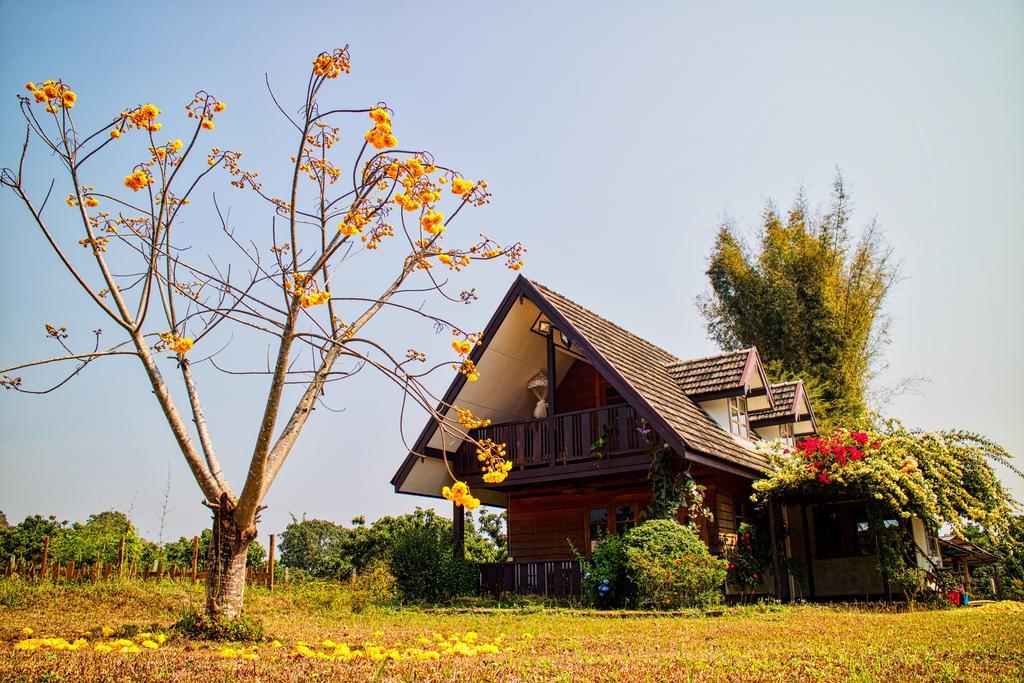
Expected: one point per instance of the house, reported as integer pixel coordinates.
(578, 401)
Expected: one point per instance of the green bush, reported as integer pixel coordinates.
(375, 586)
(423, 564)
(670, 567)
(605, 580)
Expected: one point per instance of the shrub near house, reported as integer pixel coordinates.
(660, 564)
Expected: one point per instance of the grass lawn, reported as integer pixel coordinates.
(779, 643)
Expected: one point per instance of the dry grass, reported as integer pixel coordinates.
(801, 643)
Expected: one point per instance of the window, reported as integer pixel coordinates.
(739, 424)
(598, 525)
(844, 530)
(786, 435)
(625, 518)
(828, 531)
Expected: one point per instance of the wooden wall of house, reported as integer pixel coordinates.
(547, 523)
(583, 388)
(579, 389)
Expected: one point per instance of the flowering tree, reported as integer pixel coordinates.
(941, 477)
(136, 270)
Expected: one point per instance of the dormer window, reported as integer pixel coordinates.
(739, 422)
(786, 435)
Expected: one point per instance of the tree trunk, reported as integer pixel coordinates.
(225, 563)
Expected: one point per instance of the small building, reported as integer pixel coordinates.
(578, 400)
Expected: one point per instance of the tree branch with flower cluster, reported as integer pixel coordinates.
(138, 272)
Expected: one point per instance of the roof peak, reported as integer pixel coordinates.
(721, 354)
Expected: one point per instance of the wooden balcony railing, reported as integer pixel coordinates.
(578, 436)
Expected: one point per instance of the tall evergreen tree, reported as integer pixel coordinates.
(810, 296)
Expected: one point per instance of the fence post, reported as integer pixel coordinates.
(195, 558)
(270, 563)
(46, 553)
(120, 558)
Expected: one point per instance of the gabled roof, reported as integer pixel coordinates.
(787, 397)
(635, 367)
(784, 396)
(720, 373)
(645, 366)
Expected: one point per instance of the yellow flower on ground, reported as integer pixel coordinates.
(27, 631)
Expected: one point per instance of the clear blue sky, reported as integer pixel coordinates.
(615, 136)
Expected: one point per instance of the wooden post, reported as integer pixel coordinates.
(120, 558)
(552, 440)
(195, 558)
(459, 530)
(773, 538)
(808, 552)
(270, 562)
(46, 554)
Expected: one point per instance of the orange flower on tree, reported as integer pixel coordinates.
(433, 222)
(177, 343)
(461, 186)
(459, 494)
(137, 180)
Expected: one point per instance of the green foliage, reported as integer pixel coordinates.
(27, 538)
(606, 582)
(1008, 572)
(670, 567)
(486, 538)
(180, 552)
(423, 563)
(98, 539)
(318, 547)
(199, 626)
(374, 586)
(750, 559)
(672, 486)
(810, 298)
(324, 549)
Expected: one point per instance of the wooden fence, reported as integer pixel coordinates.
(104, 571)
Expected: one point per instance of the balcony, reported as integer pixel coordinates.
(563, 439)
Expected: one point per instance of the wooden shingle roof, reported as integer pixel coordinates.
(647, 368)
(711, 374)
(784, 397)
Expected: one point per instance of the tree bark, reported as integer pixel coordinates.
(225, 563)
